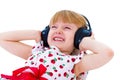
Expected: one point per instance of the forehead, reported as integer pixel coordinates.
(67, 17)
(59, 22)
(60, 18)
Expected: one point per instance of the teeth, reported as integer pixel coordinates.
(58, 39)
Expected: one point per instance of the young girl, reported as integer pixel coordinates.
(64, 57)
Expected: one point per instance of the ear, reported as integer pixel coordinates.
(44, 36)
(79, 35)
(82, 32)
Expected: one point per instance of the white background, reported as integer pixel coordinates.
(104, 16)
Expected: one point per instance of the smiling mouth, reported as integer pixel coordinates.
(58, 39)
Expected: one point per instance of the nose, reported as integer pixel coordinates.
(59, 31)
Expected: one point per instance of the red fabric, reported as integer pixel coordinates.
(21, 74)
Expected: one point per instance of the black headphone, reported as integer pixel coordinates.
(82, 32)
(79, 35)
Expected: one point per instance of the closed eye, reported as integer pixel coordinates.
(53, 27)
(68, 28)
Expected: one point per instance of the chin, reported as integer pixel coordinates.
(58, 46)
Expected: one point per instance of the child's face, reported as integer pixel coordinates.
(61, 35)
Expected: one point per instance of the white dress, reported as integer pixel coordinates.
(56, 65)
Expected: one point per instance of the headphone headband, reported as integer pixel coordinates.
(87, 23)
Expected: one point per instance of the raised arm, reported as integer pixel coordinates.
(11, 41)
(100, 56)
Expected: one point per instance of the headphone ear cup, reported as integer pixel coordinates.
(86, 32)
(79, 35)
(44, 36)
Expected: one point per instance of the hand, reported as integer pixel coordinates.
(92, 36)
(86, 41)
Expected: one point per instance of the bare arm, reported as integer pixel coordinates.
(11, 41)
(101, 55)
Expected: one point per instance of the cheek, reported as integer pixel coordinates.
(70, 38)
(49, 39)
(70, 35)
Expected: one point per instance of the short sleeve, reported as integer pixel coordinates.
(78, 57)
(83, 75)
(38, 47)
